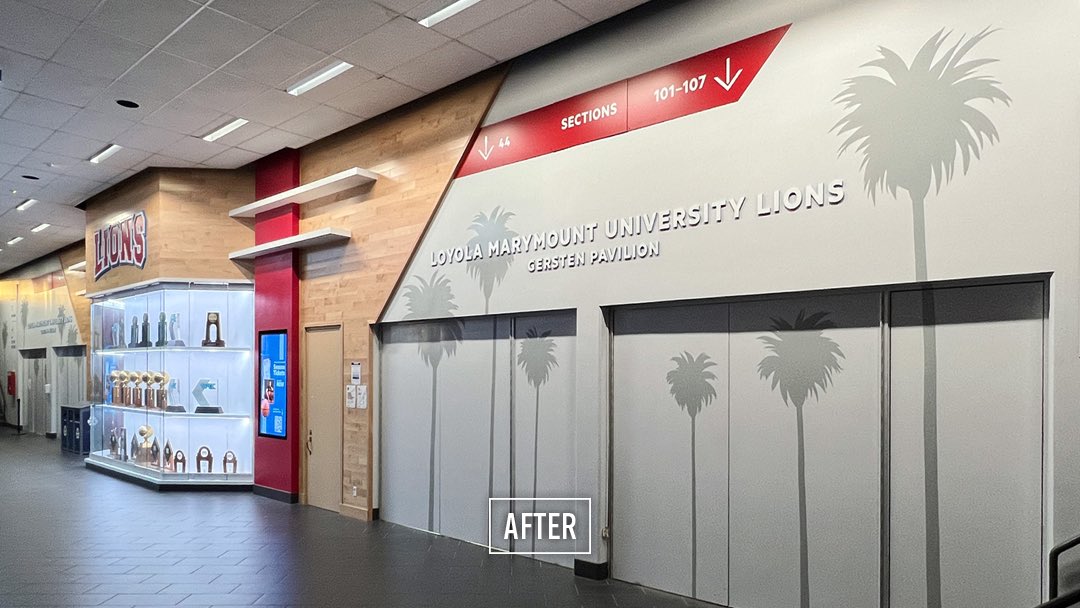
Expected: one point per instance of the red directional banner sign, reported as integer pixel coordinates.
(702, 82)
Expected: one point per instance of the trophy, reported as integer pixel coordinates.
(228, 459)
(168, 453)
(122, 440)
(172, 398)
(136, 394)
(145, 453)
(158, 397)
(134, 343)
(148, 393)
(174, 330)
(213, 321)
(125, 390)
(145, 341)
(135, 449)
(114, 446)
(116, 339)
(204, 455)
(155, 453)
(161, 339)
(115, 388)
(179, 462)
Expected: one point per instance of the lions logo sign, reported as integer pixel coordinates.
(120, 244)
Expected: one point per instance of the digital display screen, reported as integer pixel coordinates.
(273, 382)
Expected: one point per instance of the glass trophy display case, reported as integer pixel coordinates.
(171, 383)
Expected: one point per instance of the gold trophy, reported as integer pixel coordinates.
(148, 393)
(163, 391)
(136, 394)
(125, 391)
(155, 397)
(146, 432)
(117, 392)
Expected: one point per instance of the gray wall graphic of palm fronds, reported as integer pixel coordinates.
(537, 358)
(490, 272)
(800, 362)
(910, 123)
(433, 300)
(691, 386)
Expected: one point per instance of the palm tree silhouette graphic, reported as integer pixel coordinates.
(908, 126)
(490, 271)
(801, 362)
(438, 338)
(537, 359)
(692, 390)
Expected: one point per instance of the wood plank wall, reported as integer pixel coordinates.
(415, 151)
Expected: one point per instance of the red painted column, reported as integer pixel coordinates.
(277, 307)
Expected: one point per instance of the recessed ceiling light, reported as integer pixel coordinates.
(444, 14)
(30, 202)
(78, 266)
(54, 166)
(31, 177)
(106, 153)
(14, 241)
(127, 103)
(318, 78)
(39, 228)
(225, 130)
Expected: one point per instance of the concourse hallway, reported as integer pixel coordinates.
(72, 537)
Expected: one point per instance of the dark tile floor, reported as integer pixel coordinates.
(72, 537)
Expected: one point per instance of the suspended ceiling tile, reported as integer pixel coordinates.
(22, 134)
(16, 173)
(96, 125)
(38, 111)
(445, 65)
(336, 86)
(51, 161)
(598, 10)
(333, 24)
(32, 30)
(75, 9)
(148, 100)
(375, 97)
(469, 19)
(212, 38)
(273, 59)
(319, 122)
(404, 6)
(18, 68)
(268, 14)
(224, 92)
(165, 74)
(274, 107)
(525, 29)
(73, 184)
(99, 53)
(183, 116)
(11, 154)
(147, 137)
(391, 45)
(7, 98)
(74, 146)
(161, 160)
(195, 150)
(67, 85)
(140, 20)
(273, 140)
(232, 158)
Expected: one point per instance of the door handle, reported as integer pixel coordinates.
(309, 442)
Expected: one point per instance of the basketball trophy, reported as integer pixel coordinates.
(174, 330)
(213, 322)
(115, 389)
(136, 394)
(162, 339)
(227, 460)
(204, 455)
(148, 393)
(144, 342)
(125, 390)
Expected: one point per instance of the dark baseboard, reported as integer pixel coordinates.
(17, 427)
(596, 572)
(276, 494)
(167, 487)
(50, 435)
(375, 514)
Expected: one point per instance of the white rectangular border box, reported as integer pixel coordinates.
(494, 551)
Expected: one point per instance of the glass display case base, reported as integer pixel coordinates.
(165, 481)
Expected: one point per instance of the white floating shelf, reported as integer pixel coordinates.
(331, 184)
(315, 238)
